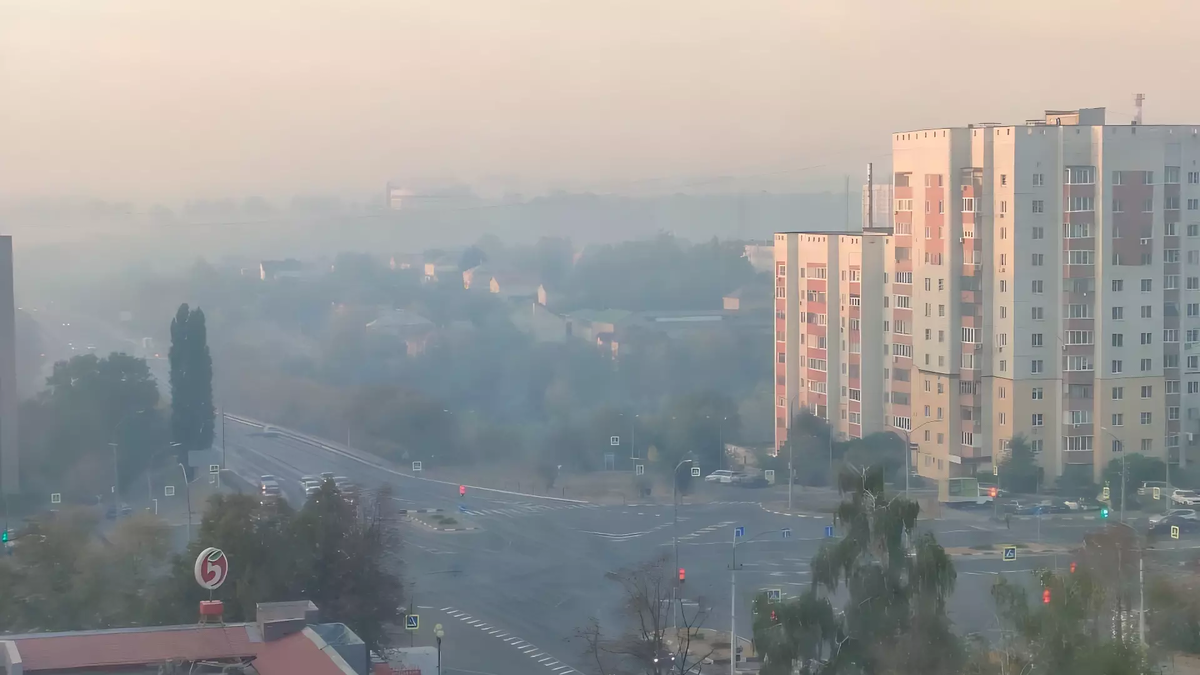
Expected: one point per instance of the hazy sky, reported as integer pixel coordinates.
(165, 99)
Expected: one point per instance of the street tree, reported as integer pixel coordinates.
(1138, 468)
(898, 583)
(192, 411)
(1019, 471)
(87, 404)
(663, 633)
(1069, 627)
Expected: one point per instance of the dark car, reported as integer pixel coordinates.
(1184, 524)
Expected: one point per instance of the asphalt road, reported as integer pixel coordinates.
(516, 589)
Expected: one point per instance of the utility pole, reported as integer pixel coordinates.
(791, 444)
(1142, 599)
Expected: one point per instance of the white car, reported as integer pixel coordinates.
(1185, 497)
(1188, 514)
(310, 481)
(720, 476)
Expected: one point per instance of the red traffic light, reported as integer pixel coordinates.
(462, 490)
(993, 493)
(681, 575)
(774, 617)
(1072, 568)
(1046, 597)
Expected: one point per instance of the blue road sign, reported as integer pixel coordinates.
(774, 594)
(412, 621)
(739, 531)
(828, 531)
(1010, 553)
(786, 532)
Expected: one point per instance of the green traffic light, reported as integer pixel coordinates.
(1103, 513)
(4, 537)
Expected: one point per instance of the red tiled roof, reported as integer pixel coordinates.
(296, 653)
(62, 651)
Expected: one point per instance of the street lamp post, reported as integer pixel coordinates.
(187, 487)
(908, 452)
(439, 633)
(1123, 479)
(733, 590)
(675, 525)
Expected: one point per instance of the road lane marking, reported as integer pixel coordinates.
(560, 669)
(512, 640)
(446, 609)
(545, 659)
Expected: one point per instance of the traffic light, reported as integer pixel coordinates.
(682, 575)
(462, 490)
(4, 537)
(774, 617)
(993, 493)
(1072, 568)
(1104, 513)
(1046, 597)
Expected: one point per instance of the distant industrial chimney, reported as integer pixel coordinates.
(1138, 100)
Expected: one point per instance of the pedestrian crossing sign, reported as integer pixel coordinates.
(1010, 553)
(1157, 494)
(774, 594)
(695, 472)
(412, 621)
(1104, 493)
(1174, 531)
(640, 469)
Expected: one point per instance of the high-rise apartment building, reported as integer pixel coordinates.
(1040, 280)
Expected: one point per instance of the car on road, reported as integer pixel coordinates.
(327, 475)
(1185, 498)
(1082, 504)
(720, 476)
(750, 481)
(306, 481)
(1188, 514)
(1147, 487)
(1184, 524)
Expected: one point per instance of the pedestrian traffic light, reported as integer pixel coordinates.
(682, 575)
(993, 493)
(774, 617)
(1046, 597)
(462, 490)
(1072, 568)
(4, 537)
(1104, 513)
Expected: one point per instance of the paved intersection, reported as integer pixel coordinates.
(535, 569)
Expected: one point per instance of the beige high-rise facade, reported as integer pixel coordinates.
(1041, 280)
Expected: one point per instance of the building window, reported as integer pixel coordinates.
(1118, 420)
(1079, 175)
(1038, 259)
(1145, 365)
(1147, 178)
(1147, 311)
(1118, 313)
(1036, 420)
(1145, 418)
(1147, 391)
(1039, 206)
(1035, 339)
(1117, 366)
(1171, 175)
(1118, 393)
(1039, 180)
(1147, 338)
(1118, 285)
(1036, 366)
(1038, 313)
(1036, 393)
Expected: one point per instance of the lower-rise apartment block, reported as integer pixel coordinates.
(1039, 280)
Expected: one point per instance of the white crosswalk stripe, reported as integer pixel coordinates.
(524, 509)
(526, 648)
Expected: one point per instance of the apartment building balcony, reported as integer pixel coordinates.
(1078, 457)
(970, 452)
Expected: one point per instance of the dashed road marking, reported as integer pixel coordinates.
(526, 648)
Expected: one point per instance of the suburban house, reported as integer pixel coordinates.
(406, 261)
(285, 638)
(403, 325)
(273, 270)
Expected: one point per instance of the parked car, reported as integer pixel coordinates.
(1185, 497)
(1188, 514)
(719, 476)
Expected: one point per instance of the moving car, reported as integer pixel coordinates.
(1185, 497)
(1185, 525)
(1082, 504)
(1189, 514)
(327, 475)
(719, 476)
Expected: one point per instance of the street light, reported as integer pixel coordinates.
(1123, 453)
(439, 634)
(675, 521)
(785, 532)
(908, 451)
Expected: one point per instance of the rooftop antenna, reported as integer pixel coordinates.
(1138, 99)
